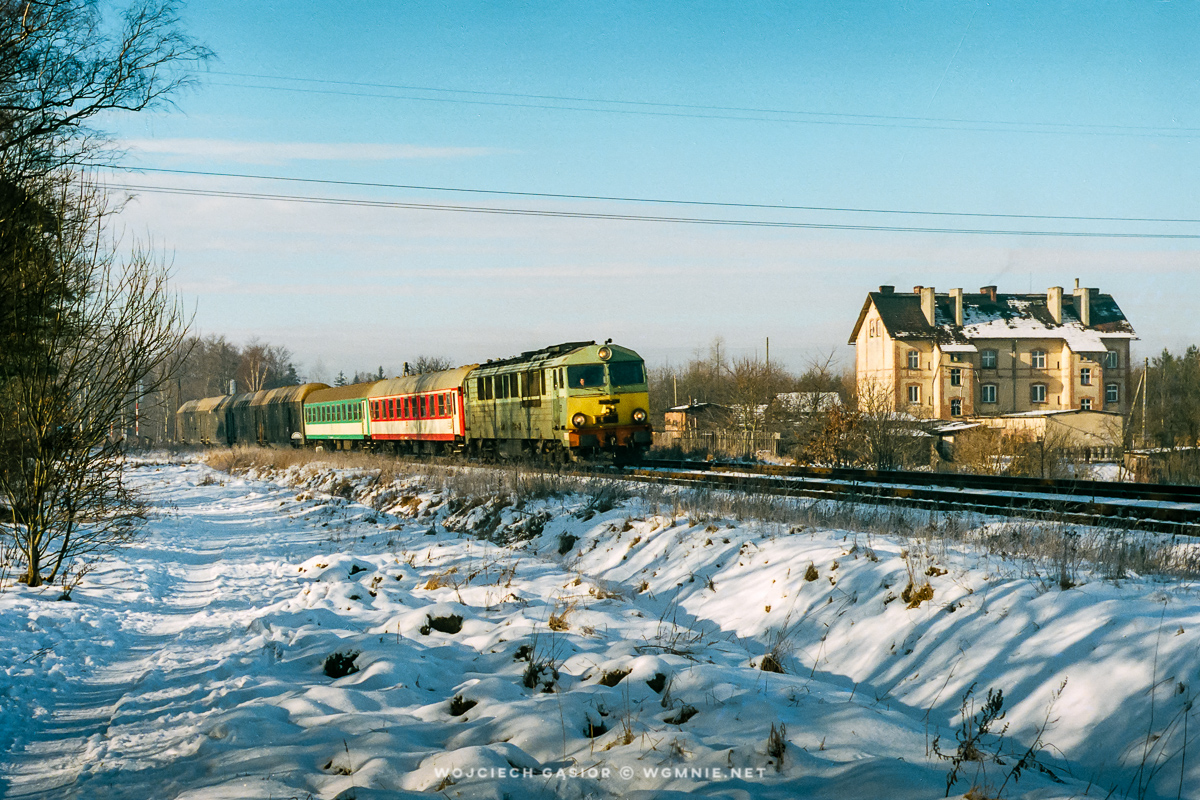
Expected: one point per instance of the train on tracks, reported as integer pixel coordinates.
(564, 402)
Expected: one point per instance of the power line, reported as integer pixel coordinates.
(699, 111)
(549, 213)
(660, 201)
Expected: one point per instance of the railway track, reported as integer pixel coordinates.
(1146, 507)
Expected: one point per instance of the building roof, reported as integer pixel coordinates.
(696, 408)
(1008, 316)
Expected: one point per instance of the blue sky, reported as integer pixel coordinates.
(1040, 108)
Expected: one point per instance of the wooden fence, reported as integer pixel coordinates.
(728, 444)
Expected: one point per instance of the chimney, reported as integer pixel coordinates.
(917, 289)
(887, 289)
(956, 296)
(990, 291)
(927, 302)
(1054, 302)
(1083, 304)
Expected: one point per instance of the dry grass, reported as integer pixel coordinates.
(558, 619)
(1055, 552)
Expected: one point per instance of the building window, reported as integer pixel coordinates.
(1085, 376)
(956, 357)
(914, 359)
(1037, 359)
(956, 376)
(1112, 393)
(987, 359)
(1112, 360)
(1085, 404)
(987, 393)
(914, 394)
(956, 407)
(1037, 393)
(873, 328)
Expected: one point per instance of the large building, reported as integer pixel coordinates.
(954, 355)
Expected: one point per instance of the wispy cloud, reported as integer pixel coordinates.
(279, 152)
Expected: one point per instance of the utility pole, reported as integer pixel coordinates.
(1145, 391)
(768, 353)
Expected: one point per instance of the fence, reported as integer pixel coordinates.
(728, 444)
(1090, 454)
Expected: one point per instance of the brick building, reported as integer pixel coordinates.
(987, 354)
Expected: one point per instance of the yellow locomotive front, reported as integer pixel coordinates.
(602, 400)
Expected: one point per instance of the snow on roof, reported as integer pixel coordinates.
(809, 401)
(696, 407)
(1002, 316)
(954, 427)
(1051, 412)
(1077, 337)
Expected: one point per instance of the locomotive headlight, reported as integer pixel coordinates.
(604, 353)
(639, 415)
(579, 420)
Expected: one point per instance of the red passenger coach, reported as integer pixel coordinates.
(419, 413)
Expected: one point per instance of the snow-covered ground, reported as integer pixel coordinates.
(601, 653)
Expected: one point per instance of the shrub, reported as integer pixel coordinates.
(777, 744)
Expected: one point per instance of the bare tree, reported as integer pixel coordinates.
(62, 63)
(84, 334)
(1041, 454)
(425, 364)
(752, 386)
(263, 366)
(101, 332)
(833, 444)
(889, 439)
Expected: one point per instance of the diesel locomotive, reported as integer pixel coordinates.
(562, 402)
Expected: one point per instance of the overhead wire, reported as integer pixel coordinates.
(612, 217)
(653, 200)
(701, 111)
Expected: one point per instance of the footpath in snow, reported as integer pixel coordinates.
(317, 633)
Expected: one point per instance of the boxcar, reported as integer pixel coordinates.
(272, 416)
(204, 421)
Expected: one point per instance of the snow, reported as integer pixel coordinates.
(192, 665)
(978, 324)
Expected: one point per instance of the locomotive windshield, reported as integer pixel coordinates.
(585, 376)
(626, 373)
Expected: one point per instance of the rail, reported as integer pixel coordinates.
(1150, 507)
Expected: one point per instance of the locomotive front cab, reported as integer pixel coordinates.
(607, 400)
